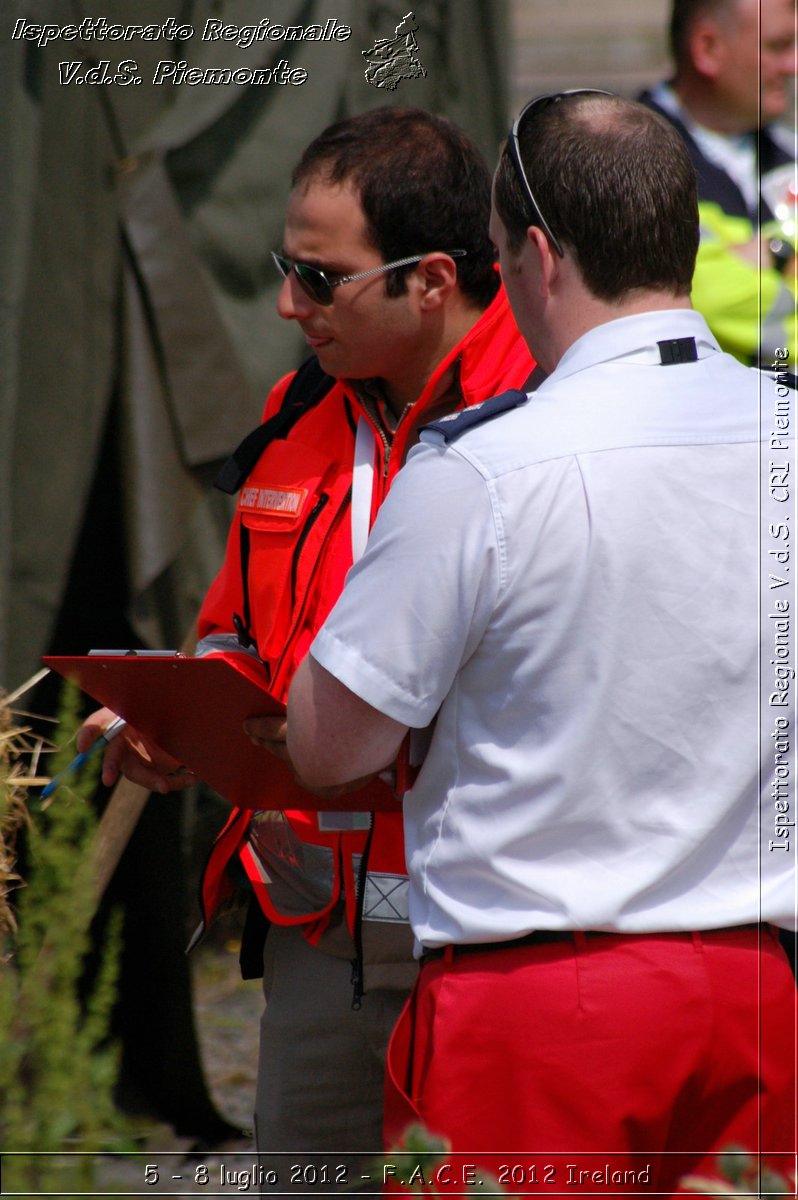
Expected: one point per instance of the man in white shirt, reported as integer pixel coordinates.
(734, 64)
(571, 580)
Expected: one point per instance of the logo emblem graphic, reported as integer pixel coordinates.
(390, 60)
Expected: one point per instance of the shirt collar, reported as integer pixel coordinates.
(625, 337)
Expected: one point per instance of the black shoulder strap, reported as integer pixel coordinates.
(309, 385)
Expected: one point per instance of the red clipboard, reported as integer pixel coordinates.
(194, 708)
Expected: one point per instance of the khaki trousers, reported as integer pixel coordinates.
(319, 1101)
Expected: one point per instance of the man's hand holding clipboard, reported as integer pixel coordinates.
(134, 756)
(209, 719)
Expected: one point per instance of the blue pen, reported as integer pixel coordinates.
(116, 726)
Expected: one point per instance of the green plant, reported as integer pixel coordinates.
(419, 1164)
(742, 1175)
(57, 1071)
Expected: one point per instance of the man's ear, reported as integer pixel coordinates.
(545, 259)
(706, 47)
(437, 276)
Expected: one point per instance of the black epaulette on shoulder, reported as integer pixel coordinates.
(452, 426)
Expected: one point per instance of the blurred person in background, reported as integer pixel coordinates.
(735, 61)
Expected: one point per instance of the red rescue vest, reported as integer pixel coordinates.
(297, 512)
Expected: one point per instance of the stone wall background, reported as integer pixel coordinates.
(620, 45)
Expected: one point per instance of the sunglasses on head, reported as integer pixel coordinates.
(536, 106)
(315, 283)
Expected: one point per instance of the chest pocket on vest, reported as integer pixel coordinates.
(290, 507)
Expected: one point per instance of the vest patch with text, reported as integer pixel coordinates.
(277, 501)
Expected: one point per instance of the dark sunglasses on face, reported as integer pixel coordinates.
(536, 106)
(315, 283)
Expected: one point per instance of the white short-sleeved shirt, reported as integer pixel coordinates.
(571, 589)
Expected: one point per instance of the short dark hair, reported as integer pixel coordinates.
(423, 186)
(684, 14)
(615, 184)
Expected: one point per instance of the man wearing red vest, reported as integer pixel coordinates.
(390, 273)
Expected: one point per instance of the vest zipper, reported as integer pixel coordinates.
(358, 989)
(242, 623)
(317, 509)
(313, 517)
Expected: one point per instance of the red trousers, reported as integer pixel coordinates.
(638, 1058)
